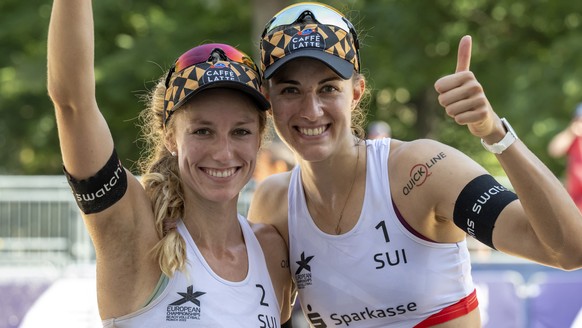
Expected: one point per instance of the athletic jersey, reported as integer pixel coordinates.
(204, 299)
(380, 273)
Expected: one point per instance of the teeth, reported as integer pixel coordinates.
(220, 173)
(312, 131)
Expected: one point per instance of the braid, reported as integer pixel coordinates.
(161, 182)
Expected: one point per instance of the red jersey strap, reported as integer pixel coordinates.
(459, 309)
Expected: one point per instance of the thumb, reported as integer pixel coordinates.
(464, 54)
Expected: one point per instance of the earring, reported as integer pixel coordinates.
(174, 154)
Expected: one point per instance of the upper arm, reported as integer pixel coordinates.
(123, 236)
(269, 208)
(429, 205)
(426, 178)
(269, 203)
(277, 258)
(123, 233)
(84, 136)
(127, 222)
(85, 139)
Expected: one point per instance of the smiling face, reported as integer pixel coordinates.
(217, 137)
(312, 108)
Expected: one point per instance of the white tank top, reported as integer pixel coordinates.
(379, 274)
(204, 299)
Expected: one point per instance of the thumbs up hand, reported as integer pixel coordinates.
(464, 100)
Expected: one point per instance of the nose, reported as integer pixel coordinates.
(223, 149)
(311, 107)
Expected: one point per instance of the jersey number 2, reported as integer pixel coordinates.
(262, 302)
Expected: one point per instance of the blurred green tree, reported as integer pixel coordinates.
(525, 53)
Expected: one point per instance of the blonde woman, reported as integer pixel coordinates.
(171, 251)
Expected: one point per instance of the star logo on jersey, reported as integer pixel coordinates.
(303, 263)
(187, 308)
(189, 296)
(303, 272)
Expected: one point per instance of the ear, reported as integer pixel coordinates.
(170, 142)
(359, 85)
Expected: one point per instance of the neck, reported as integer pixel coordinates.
(327, 195)
(211, 224)
(320, 179)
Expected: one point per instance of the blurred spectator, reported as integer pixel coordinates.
(379, 129)
(274, 157)
(568, 143)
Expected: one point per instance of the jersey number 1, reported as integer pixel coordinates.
(382, 225)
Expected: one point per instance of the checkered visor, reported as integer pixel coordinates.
(184, 84)
(298, 37)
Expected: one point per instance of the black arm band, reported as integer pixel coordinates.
(478, 207)
(102, 190)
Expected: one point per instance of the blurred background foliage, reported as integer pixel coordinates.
(526, 54)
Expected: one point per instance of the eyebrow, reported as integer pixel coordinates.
(246, 119)
(295, 82)
(330, 79)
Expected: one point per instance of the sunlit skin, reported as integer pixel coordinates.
(216, 141)
(311, 114)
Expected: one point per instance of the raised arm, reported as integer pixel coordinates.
(544, 225)
(116, 210)
(86, 143)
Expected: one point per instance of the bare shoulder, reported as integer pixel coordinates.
(430, 156)
(269, 203)
(267, 235)
(274, 186)
(415, 149)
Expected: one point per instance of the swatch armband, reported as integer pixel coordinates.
(478, 207)
(102, 190)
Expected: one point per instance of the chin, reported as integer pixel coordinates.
(222, 198)
(314, 154)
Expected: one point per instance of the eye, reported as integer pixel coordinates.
(242, 132)
(329, 88)
(202, 132)
(289, 90)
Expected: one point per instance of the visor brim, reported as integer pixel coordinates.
(260, 100)
(340, 66)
